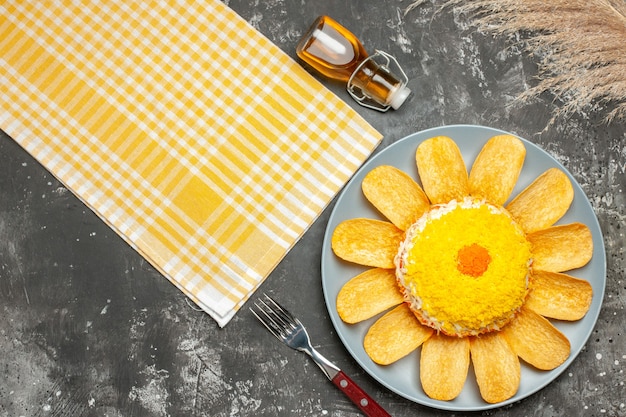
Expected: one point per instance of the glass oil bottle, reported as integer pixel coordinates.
(336, 53)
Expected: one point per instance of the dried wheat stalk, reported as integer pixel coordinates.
(581, 46)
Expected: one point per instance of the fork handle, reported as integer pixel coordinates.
(359, 397)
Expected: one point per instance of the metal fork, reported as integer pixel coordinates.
(289, 330)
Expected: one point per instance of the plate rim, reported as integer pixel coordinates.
(418, 137)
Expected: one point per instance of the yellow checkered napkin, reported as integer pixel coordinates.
(202, 144)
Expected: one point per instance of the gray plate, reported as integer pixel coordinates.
(402, 377)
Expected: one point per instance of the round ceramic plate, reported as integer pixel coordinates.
(402, 377)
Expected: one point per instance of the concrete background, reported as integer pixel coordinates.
(88, 328)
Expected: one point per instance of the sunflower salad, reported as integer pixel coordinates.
(462, 273)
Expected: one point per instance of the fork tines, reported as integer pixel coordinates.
(273, 316)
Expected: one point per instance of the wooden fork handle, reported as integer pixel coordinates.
(359, 397)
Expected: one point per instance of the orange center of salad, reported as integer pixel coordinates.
(473, 260)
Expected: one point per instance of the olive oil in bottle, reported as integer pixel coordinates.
(336, 53)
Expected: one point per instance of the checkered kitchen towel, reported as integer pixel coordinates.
(193, 136)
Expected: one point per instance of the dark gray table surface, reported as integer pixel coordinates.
(89, 328)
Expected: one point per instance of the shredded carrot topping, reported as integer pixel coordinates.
(473, 260)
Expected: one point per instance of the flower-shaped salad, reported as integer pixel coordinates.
(463, 275)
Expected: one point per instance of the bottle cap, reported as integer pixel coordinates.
(399, 96)
(395, 98)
